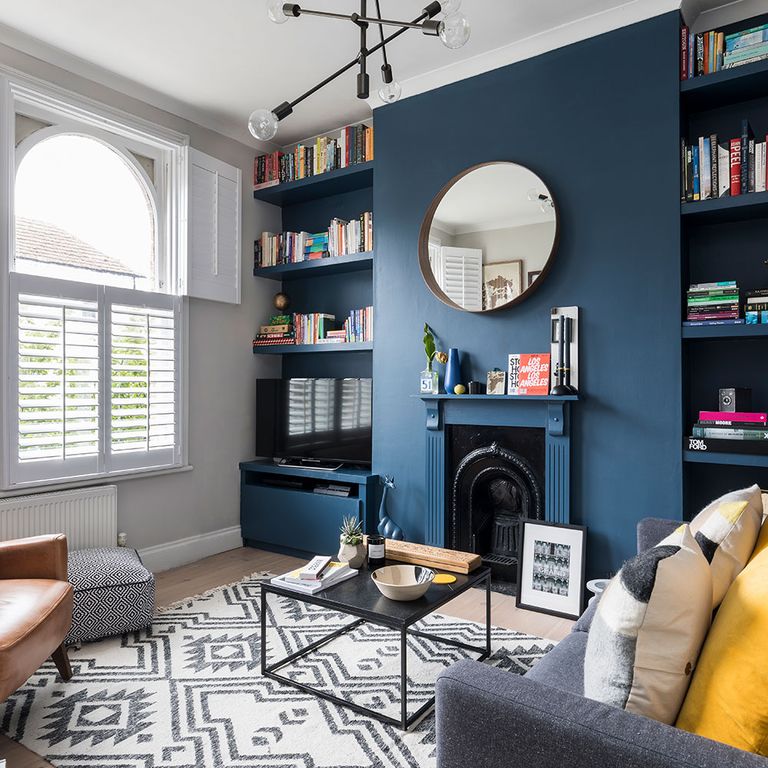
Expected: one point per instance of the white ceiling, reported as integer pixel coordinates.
(223, 58)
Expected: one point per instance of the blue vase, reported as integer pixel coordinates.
(452, 371)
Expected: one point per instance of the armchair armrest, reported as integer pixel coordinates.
(38, 557)
(488, 718)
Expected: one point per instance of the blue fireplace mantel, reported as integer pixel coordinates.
(549, 412)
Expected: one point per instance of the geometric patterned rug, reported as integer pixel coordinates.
(188, 692)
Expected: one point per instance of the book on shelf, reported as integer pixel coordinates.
(358, 327)
(756, 307)
(351, 146)
(714, 51)
(342, 238)
(714, 167)
(528, 374)
(714, 445)
(730, 433)
(335, 573)
(744, 417)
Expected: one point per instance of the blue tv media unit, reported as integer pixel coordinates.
(282, 509)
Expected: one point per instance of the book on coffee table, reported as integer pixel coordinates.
(333, 574)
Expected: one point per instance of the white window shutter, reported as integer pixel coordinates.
(55, 381)
(142, 344)
(462, 276)
(214, 235)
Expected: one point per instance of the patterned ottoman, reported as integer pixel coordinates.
(114, 593)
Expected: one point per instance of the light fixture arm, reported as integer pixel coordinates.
(285, 109)
(363, 79)
(295, 10)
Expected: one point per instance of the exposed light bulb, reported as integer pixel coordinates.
(449, 6)
(263, 124)
(454, 30)
(390, 92)
(546, 207)
(275, 11)
(533, 194)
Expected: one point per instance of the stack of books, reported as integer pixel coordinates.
(731, 432)
(356, 236)
(756, 306)
(713, 51)
(319, 573)
(713, 167)
(312, 328)
(279, 330)
(316, 246)
(713, 304)
(353, 145)
(341, 239)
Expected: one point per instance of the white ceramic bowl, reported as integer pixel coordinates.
(403, 582)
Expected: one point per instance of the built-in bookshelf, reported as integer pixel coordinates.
(340, 285)
(722, 239)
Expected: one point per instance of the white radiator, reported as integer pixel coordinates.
(88, 516)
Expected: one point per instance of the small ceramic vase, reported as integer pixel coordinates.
(354, 554)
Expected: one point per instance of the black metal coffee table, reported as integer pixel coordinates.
(360, 598)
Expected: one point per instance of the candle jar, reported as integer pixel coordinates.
(376, 551)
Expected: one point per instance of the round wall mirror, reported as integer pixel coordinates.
(489, 237)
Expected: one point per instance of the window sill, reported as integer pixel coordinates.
(25, 489)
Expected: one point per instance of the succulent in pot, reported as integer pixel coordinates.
(351, 547)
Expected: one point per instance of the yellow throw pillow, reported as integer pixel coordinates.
(728, 699)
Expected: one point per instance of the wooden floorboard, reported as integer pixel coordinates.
(227, 567)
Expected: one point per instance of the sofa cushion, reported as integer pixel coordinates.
(563, 666)
(727, 699)
(648, 629)
(726, 531)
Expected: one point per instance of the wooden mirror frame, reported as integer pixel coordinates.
(426, 226)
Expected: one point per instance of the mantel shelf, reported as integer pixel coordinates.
(504, 398)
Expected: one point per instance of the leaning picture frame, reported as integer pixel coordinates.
(551, 568)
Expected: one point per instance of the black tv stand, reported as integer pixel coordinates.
(318, 464)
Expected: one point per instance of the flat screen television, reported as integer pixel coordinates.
(311, 422)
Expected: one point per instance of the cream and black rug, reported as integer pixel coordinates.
(188, 693)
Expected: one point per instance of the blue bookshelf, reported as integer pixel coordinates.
(350, 179)
(723, 239)
(741, 331)
(301, 349)
(334, 265)
(505, 398)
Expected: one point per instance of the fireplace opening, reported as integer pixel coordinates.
(495, 482)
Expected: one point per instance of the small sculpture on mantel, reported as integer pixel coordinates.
(387, 526)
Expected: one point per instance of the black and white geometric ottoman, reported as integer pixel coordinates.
(114, 593)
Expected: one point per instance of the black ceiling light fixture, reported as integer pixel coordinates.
(453, 30)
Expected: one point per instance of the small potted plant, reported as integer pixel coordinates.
(429, 384)
(351, 548)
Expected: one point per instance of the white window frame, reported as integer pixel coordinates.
(73, 113)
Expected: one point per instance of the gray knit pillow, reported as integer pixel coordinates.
(649, 628)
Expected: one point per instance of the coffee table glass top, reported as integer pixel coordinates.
(361, 597)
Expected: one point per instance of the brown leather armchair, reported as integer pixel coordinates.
(35, 608)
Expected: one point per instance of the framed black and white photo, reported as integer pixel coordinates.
(550, 576)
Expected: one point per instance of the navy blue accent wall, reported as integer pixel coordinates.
(599, 122)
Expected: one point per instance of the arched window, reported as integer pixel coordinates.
(84, 211)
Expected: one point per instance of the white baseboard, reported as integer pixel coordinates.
(161, 557)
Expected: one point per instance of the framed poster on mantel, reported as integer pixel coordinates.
(551, 569)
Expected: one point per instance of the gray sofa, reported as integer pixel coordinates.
(488, 718)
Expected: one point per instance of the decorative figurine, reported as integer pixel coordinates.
(387, 526)
(282, 301)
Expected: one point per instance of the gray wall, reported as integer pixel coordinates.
(222, 369)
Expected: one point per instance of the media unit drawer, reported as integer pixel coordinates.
(293, 519)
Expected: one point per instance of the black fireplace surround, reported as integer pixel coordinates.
(495, 482)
